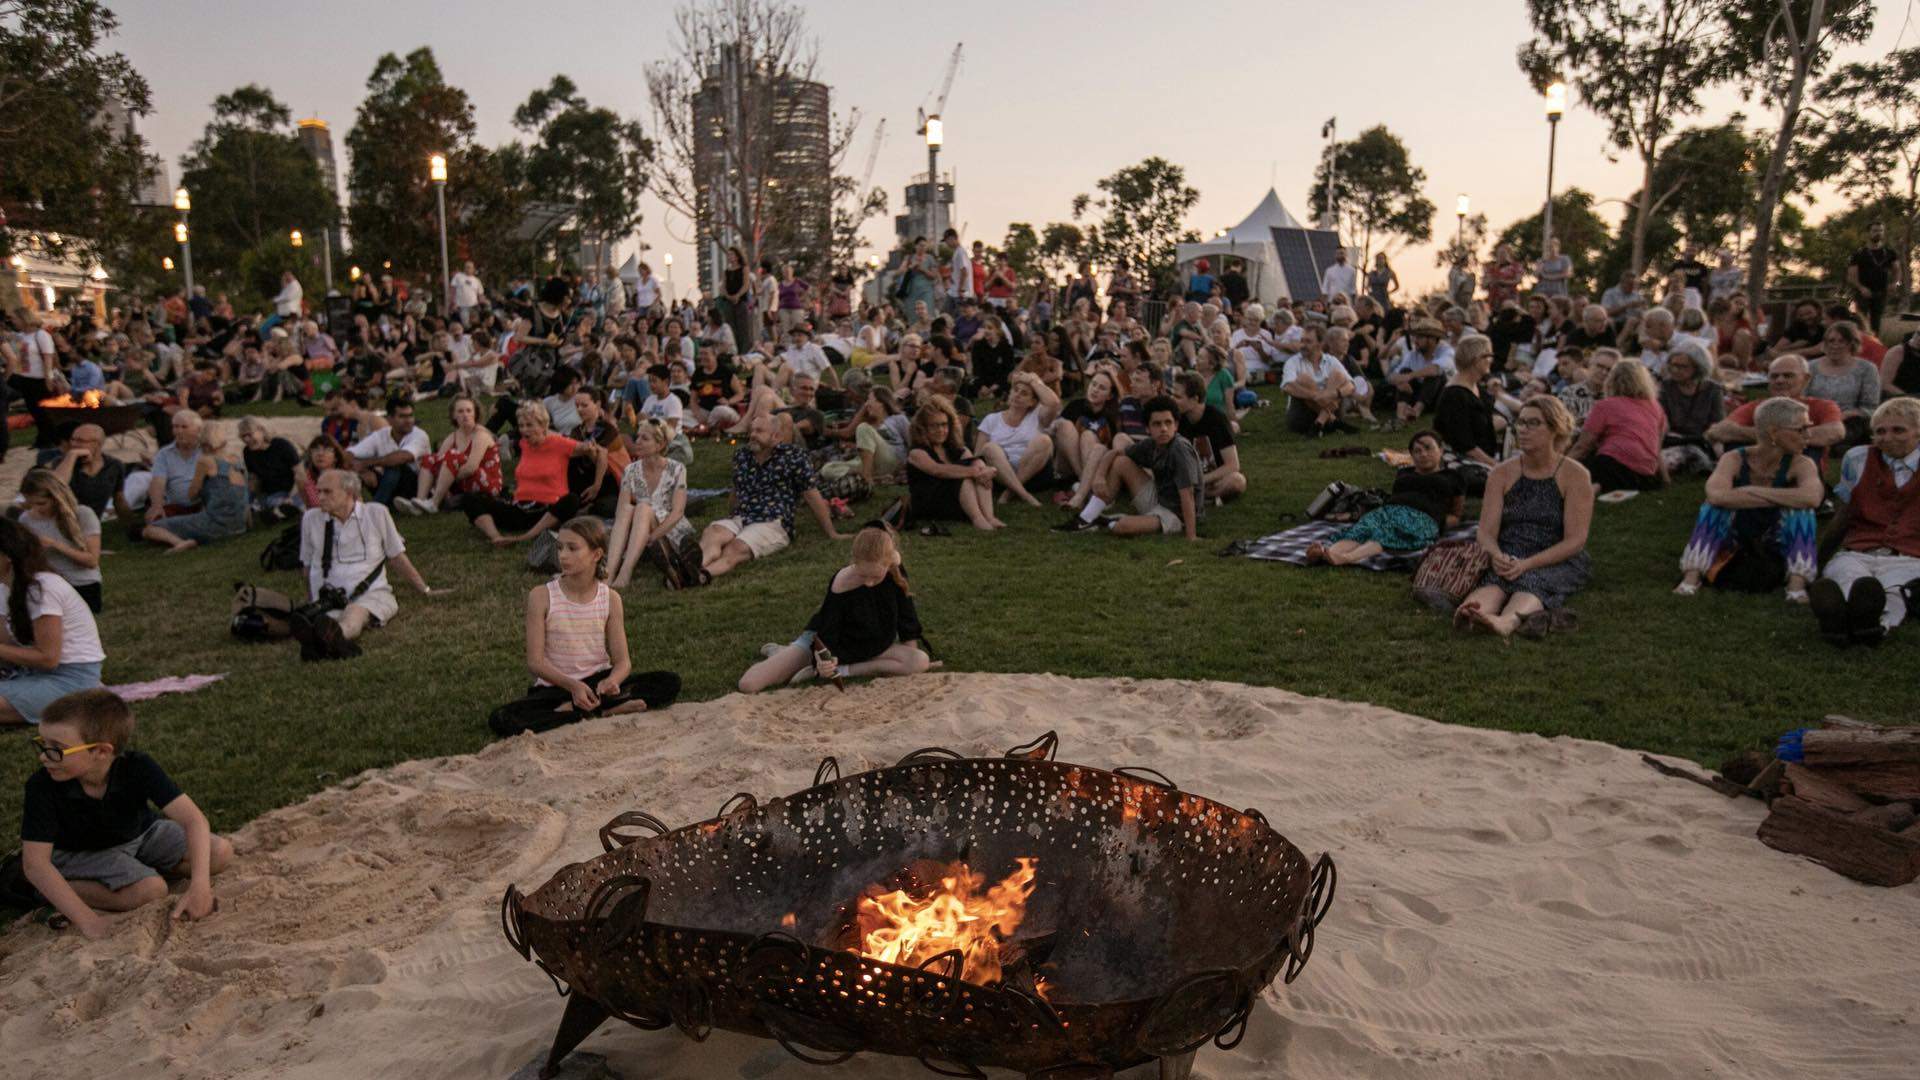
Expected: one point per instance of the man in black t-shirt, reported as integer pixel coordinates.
(1211, 434)
(95, 478)
(1870, 274)
(1233, 285)
(1689, 264)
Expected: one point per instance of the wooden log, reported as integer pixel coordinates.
(1894, 782)
(1835, 720)
(1893, 817)
(1814, 787)
(1725, 787)
(1851, 746)
(1840, 843)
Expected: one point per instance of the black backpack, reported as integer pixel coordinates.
(284, 552)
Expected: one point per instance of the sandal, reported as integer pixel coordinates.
(1688, 588)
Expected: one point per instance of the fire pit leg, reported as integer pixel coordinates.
(1177, 1068)
(583, 1015)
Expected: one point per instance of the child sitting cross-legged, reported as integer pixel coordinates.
(90, 840)
(577, 645)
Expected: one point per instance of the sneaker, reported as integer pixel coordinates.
(1074, 525)
(426, 506)
(408, 506)
(1829, 606)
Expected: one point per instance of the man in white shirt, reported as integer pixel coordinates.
(286, 304)
(646, 291)
(386, 459)
(1317, 385)
(459, 345)
(364, 545)
(1421, 371)
(960, 280)
(467, 292)
(1339, 278)
(803, 357)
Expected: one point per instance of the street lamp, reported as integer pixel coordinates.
(668, 259)
(936, 135)
(296, 238)
(183, 202)
(353, 273)
(1556, 105)
(1460, 220)
(437, 169)
(166, 263)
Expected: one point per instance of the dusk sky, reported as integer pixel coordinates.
(1050, 96)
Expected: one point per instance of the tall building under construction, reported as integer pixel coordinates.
(771, 134)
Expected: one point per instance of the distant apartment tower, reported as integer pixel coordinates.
(790, 148)
(929, 209)
(317, 140)
(154, 189)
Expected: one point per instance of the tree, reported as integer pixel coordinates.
(411, 113)
(851, 210)
(1141, 208)
(1704, 183)
(251, 181)
(1869, 141)
(764, 177)
(1819, 253)
(1782, 43)
(68, 177)
(1062, 247)
(1583, 234)
(585, 156)
(1640, 65)
(1378, 186)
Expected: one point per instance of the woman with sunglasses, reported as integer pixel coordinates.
(48, 635)
(1534, 519)
(1760, 498)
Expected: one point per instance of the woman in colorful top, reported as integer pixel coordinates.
(1534, 519)
(1621, 439)
(46, 631)
(866, 625)
(1425, 499)
(1762, 494)
(467, 463)
(577, 645)
(541, 499)
(653, 501)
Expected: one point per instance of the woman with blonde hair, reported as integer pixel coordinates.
(69, 532)
(577, 645)
(867, 623)
(653, 502)
(1621, 440)
(541, 495)
(1534, 519)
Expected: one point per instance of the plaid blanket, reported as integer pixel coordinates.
(1290, 545)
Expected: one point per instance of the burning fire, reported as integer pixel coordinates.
(963, 913)
(92, 399)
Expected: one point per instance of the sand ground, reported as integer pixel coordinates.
(1509, 906)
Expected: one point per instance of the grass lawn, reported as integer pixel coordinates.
(1698, 678)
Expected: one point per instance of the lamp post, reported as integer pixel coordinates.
(936, 135)
(668, 259)
(1460, 221)
(437, 169)
(184, 203)
(295, 238)
(1556, 105)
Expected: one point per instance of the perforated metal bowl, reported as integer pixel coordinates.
(1162, 914)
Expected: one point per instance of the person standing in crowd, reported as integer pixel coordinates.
(1871, 273)
(1695, 274)
(1862, 595)
(959, 271)
(577, 645)
(1382, 282)
(50, 636)
(1534, 519)
(866, 625)
(1460, 282)
(766, 303)
(467, 293)
(69, 531)
(1553, 271)
(615, 295)
(1726, 280)
(1763, 495)
(1339, 279)
(286, 303)
(1233, 285)
(1200, 282)
(30, 362)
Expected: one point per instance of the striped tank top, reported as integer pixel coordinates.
(577, 633)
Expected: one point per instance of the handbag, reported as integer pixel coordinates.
(260, 614)
(1450, 569)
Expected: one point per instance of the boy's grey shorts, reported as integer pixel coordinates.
(161, 848)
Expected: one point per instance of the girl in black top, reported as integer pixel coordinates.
(867, 623)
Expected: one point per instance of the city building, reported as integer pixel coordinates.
(155, 189)
(317, 140)
(767, 133)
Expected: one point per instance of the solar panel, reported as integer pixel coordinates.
(1297, 263)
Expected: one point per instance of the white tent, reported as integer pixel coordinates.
(1252, 242)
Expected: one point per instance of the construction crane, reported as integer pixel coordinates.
(934, 130)
(873, 157)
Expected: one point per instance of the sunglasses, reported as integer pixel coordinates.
(54, 755)
(1529, 422)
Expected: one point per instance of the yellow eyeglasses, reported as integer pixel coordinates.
(53, 755)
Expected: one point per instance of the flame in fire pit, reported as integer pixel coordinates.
(963, 913)
(92, 399)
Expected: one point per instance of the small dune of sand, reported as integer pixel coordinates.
(1509, 906)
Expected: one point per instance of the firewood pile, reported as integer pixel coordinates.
(1845, 794)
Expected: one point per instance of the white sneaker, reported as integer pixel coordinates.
(407, 505)
(426, 506)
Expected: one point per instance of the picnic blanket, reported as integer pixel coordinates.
(1290, 545)
(172, 684)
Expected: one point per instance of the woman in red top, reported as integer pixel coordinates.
(541, 499)
(467, 463)
(1620, 443)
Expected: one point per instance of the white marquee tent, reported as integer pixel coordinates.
(1251, 241)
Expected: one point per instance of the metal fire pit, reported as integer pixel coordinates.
(113, 419)
(1156, 920)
